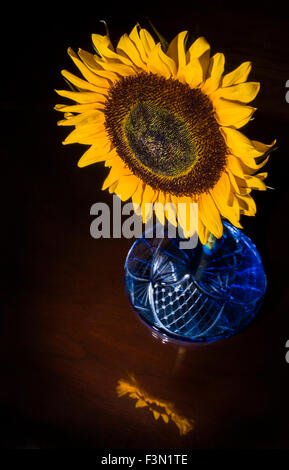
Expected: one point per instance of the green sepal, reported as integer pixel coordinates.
(72, 87)
(163, 41)
(106, 27)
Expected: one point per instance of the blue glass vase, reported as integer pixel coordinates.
(195, 294)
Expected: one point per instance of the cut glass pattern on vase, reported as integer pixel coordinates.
(195, 294)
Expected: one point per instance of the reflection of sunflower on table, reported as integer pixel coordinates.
(158, 407)
(165, 119)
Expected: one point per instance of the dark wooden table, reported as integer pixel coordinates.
(68, 333)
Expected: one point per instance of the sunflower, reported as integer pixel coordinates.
(165, 119)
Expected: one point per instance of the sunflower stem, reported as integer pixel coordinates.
(211, 241)
(208, 250)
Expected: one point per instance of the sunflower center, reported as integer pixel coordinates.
(166, 133)
(159, 140)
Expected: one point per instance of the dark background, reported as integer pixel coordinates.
(68, 333)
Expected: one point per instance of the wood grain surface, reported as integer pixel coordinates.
(68, 333)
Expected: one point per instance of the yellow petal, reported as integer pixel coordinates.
(146, 211)
(148, 194)
(238, 166)
(187, 216)
(214, 73)
(243, 147)
(222, 189)
(117, 171)
(159, 207)
(239, 75)
(140, 403)
(221, 196)
(203, 232)
(135, 37)
(112, 187)
(235, 166)
(104, 47)
(82, 119)
(244, 92)
(156, 414)
(234, 181)
(263, 148)
(88, 135)
(160, 197)
(78, 108)
(165, 417)
(102, 42)
(90, 61)
(256, 181)
(176, 50)
(160, 63)
(234, 204)
(210, 215)
(170, 211)
(147, 199)
(126, 187)
(137, 198)
(229, 113)
(247, 205)
(95, 154)
(92, 127)
(192, 73)
(82, 84)
(240, 186)
(127, 47)
(88, 68)
(200, 49)
(147, 41)
(118, 68)
(82, 96)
